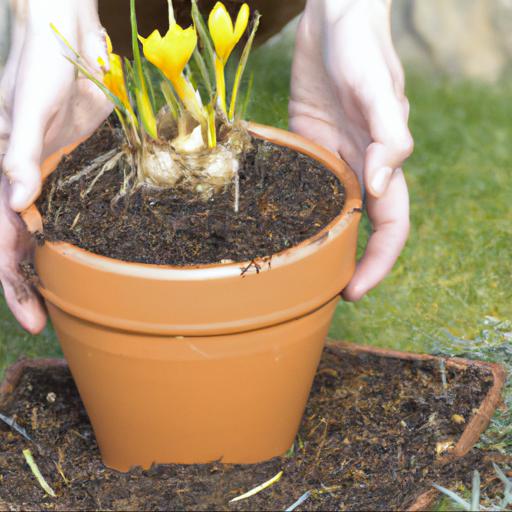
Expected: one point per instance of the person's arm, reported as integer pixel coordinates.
(44, 106)
(348, 95)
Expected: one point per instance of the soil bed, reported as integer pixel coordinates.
(285, 198)
(369, 441)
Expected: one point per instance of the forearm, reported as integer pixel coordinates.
(41, 12)
(333, 10)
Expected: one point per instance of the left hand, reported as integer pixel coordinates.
(44, 106)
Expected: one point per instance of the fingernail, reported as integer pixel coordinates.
(380, 181)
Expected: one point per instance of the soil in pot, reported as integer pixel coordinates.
(285, 198)
(371, 439)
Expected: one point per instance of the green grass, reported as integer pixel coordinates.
(456, 270)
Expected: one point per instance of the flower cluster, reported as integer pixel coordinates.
(189, 65)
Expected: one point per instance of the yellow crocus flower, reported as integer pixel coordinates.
(114, 79)
(171, 54)
(225, 36)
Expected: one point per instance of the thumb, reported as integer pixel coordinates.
(22, 171)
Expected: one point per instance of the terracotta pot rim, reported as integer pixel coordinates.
(350, 213)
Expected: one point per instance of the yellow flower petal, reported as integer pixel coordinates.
(151, 47)
(224, 35)
(110, 48)
(242, 20)
(172, 52)
(114, 80)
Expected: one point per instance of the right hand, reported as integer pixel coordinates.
(348, 95)
(44, 106)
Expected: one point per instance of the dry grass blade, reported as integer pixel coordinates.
(11, 423)
(258, 489)
(299, 502)
(35, 471)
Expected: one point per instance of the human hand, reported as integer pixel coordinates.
(16, 247)
(44, 106)
(348, 95)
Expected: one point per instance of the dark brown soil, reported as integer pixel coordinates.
(367, 442)
(285, 198)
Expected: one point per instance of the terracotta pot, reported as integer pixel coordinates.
(195, 364)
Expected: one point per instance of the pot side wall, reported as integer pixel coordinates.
(235, 398)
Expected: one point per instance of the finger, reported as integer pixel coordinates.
(93, 37)
(390, 219)
(32, 113)
(24, 304)
(392, 141)
(16, 246)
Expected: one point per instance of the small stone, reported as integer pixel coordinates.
(444, 446)
(457, 418)
(51, 397)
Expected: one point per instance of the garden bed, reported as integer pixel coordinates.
(379, 429)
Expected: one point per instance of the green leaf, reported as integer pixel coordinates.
(203, 70)
(247, 98)
(144, 107)
(130, 75)
(242, 65)
(204, 36)
(170, 98)
(507, 482)
(147, 75)
(190, 74)
(65, 41)
(454, 497)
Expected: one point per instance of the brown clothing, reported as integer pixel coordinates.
(152, 14)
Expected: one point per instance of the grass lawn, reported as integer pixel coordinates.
(451, 290)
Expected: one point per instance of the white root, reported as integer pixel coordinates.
(108, 166)
(184, 162)
(95, 164)
(75, 222)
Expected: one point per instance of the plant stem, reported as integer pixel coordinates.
(221, 84)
